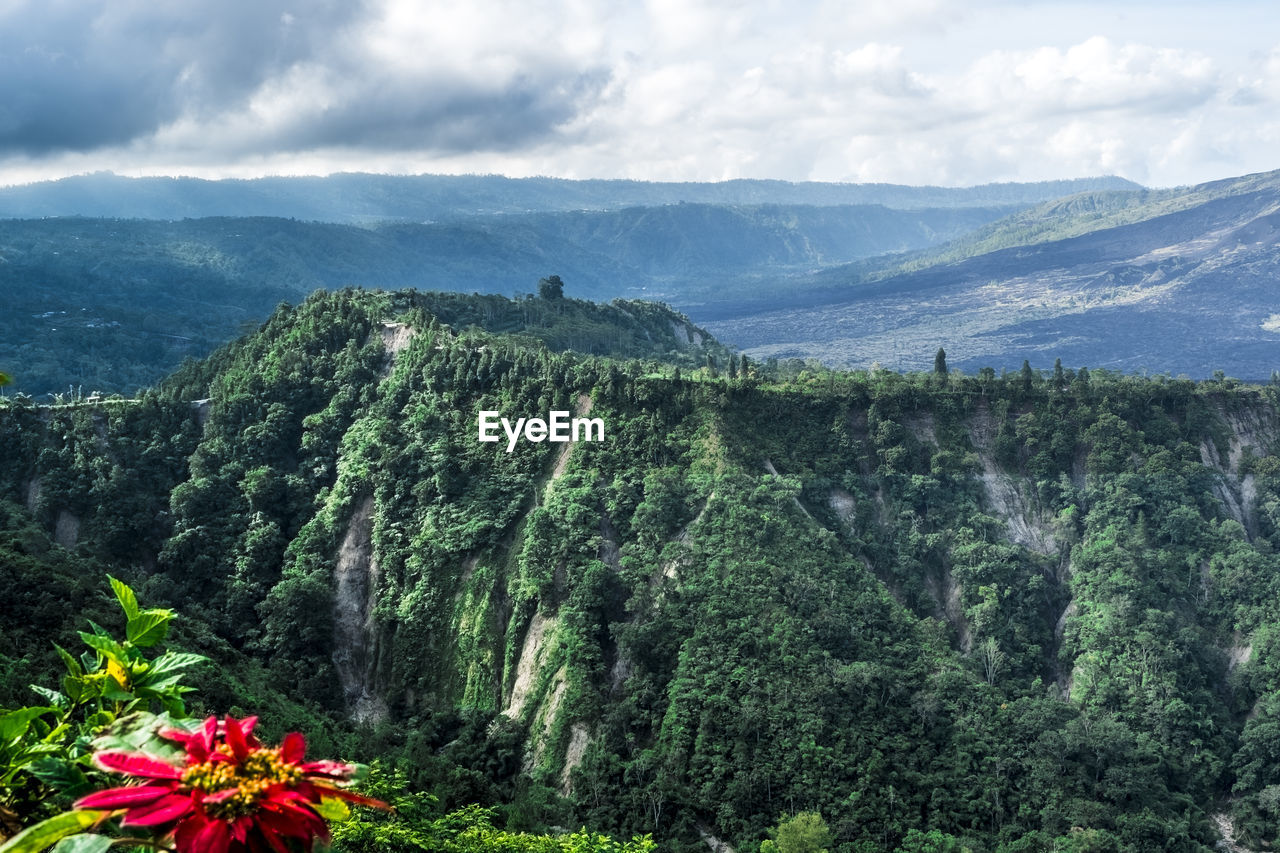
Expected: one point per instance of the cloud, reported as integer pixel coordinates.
(913, 91)
(81, 76)
(274, 76)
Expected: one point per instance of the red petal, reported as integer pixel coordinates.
(118, 798)
(330, 769)
(136, 764)
(293, 748)
(163, 810)
(272, 839)
(351, 797)
(302, 820)
(273, 823)
(235, 740)
(186, 830)
(209, 734)
(213, 837)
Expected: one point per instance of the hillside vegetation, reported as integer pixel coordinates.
(1004, 613)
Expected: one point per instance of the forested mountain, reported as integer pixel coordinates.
(1176, 281)
(353, 198)
(1018, 613)
(112, 305)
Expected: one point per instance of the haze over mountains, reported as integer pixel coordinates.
(125, 277)
(414, 198)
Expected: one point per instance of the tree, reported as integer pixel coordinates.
(940, 362)
(1027, 376)
(551, 287)
(807, 832)
(993, 660)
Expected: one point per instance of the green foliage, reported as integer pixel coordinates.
(550, 288)
(806, 832)
(45, 749)
(1000, 612)
(416, 824)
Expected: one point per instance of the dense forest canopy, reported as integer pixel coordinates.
(1002, 611)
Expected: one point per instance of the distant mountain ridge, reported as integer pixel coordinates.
(358, 197)
(115, 304)
(1176, 281)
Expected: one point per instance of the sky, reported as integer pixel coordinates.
(945, 92)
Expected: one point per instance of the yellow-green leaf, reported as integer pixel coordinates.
(124, 595)
(33, 839)
(15, 723)
(83, 844)
(332, 808)
(148, 627)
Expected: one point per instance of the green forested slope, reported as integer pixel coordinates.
(1014, 613)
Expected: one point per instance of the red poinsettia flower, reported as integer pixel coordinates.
(233, 795)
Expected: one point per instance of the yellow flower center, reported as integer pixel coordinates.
(260, 770)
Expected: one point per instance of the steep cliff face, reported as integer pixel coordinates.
(356, 635)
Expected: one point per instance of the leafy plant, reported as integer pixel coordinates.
(109, 690)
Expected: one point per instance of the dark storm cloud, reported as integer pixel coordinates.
(80, 76)
(449, 115)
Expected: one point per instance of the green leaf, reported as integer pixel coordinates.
(5, 379)
(62, 775)
(168, 664)
(115, 692)
(36, 838)
(148, 627)
(53, 697)
(83, 844)
(73, 666)
(124, 595)
(332, 808)
(105, 646)
(15, 723)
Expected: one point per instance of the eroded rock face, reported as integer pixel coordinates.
(355, 638)
(66, 530)
(1248, 432)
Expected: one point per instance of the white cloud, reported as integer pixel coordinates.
(912, 91)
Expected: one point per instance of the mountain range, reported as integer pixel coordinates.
(367, 198)
(1174, 281)
(1109, 274)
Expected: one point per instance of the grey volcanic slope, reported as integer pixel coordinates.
(1191, 291)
